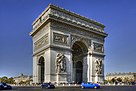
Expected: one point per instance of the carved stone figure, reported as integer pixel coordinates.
(60, 38)
(98, 47)
(98, 64)
(60, 63)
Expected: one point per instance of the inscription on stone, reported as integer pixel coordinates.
(41, 42)
(60, 38)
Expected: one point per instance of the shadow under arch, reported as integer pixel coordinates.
(41, 69)
(79, 52)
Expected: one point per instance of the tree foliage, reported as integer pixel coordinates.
(7, 80)
(113, 80)
(119, 80)
(12, 81)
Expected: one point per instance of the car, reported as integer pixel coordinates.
(4, 86)
(89, 85)
(48, 85)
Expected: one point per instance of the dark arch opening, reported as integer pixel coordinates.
(41, 64)
(79, 71)
(79, 50)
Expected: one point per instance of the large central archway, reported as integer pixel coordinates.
(41, 69)
(79, 51)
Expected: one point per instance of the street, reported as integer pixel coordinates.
(103, 88)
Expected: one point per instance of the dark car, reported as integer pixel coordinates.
(4, 86)
(47, 85)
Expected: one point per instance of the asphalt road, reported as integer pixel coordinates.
(103, 88)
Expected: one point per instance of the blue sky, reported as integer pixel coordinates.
(16, 17)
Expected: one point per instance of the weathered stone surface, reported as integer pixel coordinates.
(71, 47)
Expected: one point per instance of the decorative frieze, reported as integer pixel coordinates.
(67, 16)
(60, 38)
(45, 28)
(41, 42)
(72, 30)
(71, 18)
(98, 47)
(41, 19)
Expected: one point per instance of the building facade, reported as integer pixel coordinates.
(124, 76)
(67, 47)
(22, 78)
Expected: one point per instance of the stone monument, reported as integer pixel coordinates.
(67, 47)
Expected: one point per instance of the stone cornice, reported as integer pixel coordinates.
(67, 12)
(35, 30)
(67, 16)
(45, 11)
(94, 30)
(97, 54)
(41, 50)
(75, 15)
(53, 46)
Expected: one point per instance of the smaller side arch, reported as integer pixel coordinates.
(41, 69)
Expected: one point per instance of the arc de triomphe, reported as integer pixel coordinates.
(67, 47)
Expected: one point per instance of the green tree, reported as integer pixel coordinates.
(7, 80)
(22, 82)
(119, 80)
(126, 80)
(113, 80)
(4, 79)
(105, 81)
(27, 81)
(11, 80)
